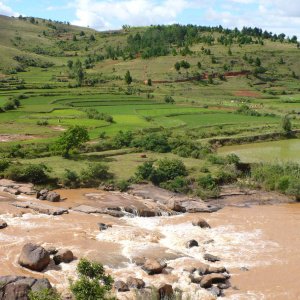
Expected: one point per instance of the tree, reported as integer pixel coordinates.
(128, 78)
(74, 137)
(286, 124)
(92, 283)
(177, 66)
(169, 99)
(79, 73)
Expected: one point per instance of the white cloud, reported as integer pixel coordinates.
(112, 14)
(7, 11)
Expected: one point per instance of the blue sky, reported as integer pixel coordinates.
(274, 15)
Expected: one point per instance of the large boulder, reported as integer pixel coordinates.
(53, 197)
(16, 291)
(201, 223)
(208, 280)
(3, 224)
(153, 266)
(135, 283)
(34, 257)
(165, 291)
(42, 194)
(18, 287)
(63, 255)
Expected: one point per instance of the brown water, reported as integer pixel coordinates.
(264, 239)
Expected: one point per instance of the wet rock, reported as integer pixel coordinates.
(51, 250)
(16, 291)
(147, 213)
(121, 286)
(34, 257)
(63, 255)
(215, 291)
(88, 209)
(208, 280)
(245, 269)
(201, 223)
(224, 286)
(212, 269)
(103, 226)
(11, 191)
(135, 283)
(115, 213)
(211, 258)
(41, 208)
(202, 269)
(3, 224)
(191, 244)
(53, 197)
(26, 189)
(193, 206)
(42, 194)
(165, 291)
(196, 278)
(152, 266)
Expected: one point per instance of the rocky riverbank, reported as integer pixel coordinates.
(150, 240)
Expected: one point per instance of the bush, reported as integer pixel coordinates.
(207, 182)
(157, 142)
(145, 171)
(45, 294)
(95, 174)
(4, 164)
(71, 179)
(178, 185)
(123, 139)
(93, 283)
(123, 185)
(216, 160)
(169, 99)
(34, 173)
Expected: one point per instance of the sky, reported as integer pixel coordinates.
(276, 16)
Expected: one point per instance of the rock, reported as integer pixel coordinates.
(41, 284)
(211, 258)
(165, 291)
(139, 261)
(208, 280)
(147, 213)
(224, 286)
(41, 208)
(34, 257)
(42, 194)
(63, 255)
(53, 197)
(121, 286)
(152, 266)
(245, 269)
(51, 250)
(201, 223)
(212, 269)
(191, 244)
(114, 213)
(194, 206)
(195, 278)
(209, 241)
(202, 269)
(18, 287)
(16, 291)
(103, 226)
(88, 209)
(135, 283)
(143, 156)
(3, 224)
(11, 191)
(215, 291)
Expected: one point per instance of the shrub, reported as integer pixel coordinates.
(123, 185)
(93, 283)
(178, 185)
(169, 99)
(71, 179)
(94, 174)
(207, 182)
(157, 142)
(216, 160)
(34, 173)
(145, 171)
(123, 139)
(4, 164)
(45, 294)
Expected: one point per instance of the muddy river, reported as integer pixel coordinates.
(260, 246)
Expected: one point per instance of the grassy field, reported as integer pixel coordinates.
(51, 102)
